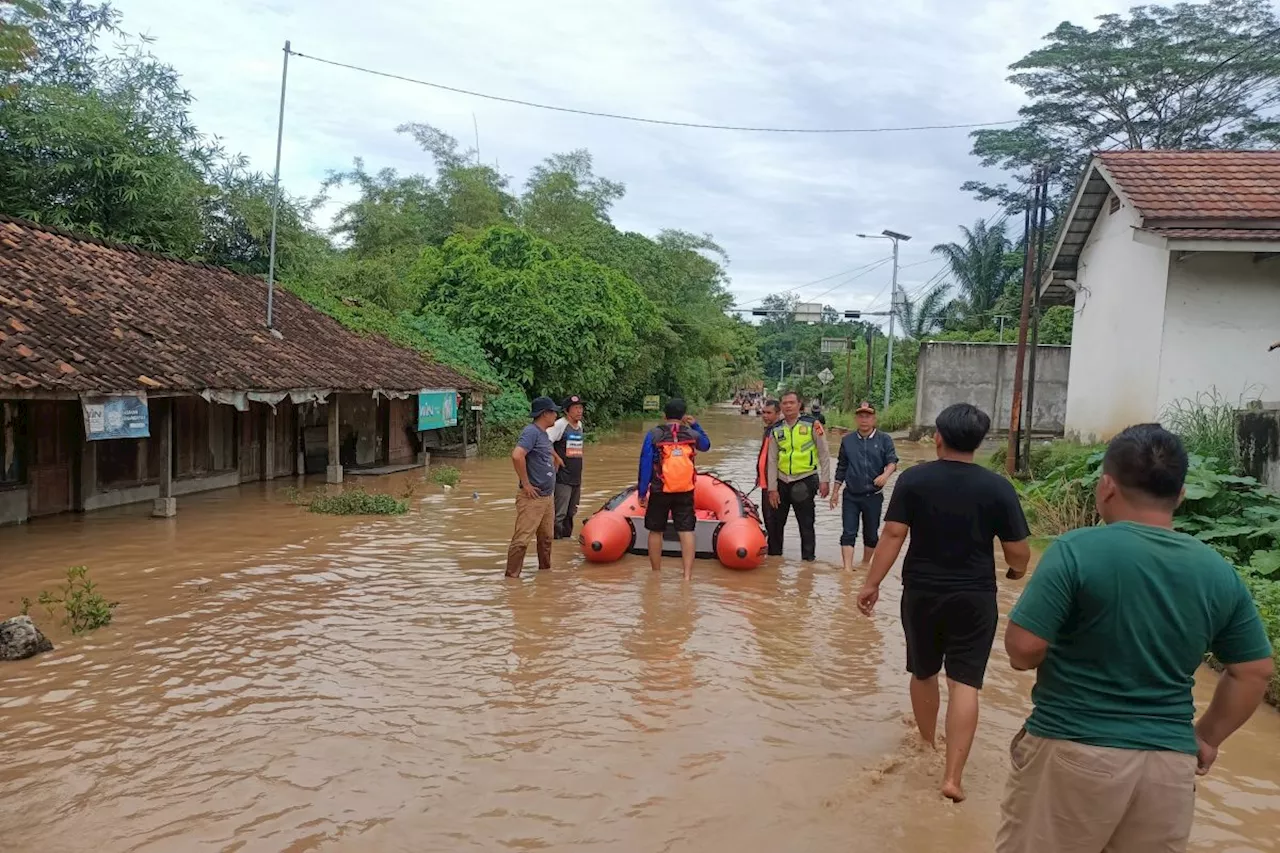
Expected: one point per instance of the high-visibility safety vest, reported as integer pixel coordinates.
(797, 446)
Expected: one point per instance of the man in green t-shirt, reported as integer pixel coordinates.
(1116, 620)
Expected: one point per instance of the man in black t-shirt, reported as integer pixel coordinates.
(954, 510)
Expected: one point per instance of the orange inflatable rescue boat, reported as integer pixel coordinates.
(728, 527)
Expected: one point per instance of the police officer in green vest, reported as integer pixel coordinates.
(799, 470)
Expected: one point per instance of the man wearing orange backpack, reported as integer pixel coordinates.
(667, 476)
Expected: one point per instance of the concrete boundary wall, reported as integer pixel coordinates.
(982, 374)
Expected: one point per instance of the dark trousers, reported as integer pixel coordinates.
(805, 513)
(864, 508)
(567, 498)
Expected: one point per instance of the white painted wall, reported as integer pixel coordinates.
(1221, 313)
(1116, 337)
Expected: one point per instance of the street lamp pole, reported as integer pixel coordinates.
(893, 304)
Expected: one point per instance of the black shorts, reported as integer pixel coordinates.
(955, 629)
(678, 505)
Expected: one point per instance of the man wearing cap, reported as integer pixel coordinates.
(535, 464)
(867, 458)
(566, 441)
(799, 468)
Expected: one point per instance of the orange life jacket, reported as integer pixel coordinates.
(675, 448)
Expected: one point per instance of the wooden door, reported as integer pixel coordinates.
(252, 442)
(56, 432)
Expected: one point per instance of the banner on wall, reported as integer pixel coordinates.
(117, 416)
(437, 409)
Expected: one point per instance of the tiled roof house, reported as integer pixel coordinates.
(83, 319)
(1171, 261)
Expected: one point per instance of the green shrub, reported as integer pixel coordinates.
(357, 502)
(83, 607)
(445, 475)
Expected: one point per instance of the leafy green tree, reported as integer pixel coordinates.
(552, 320)
(17, 45)
(1192, 75)
(1055, 325)
(564, 198)
(979, 265)
(926, 314)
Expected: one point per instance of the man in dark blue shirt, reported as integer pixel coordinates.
(867, 458)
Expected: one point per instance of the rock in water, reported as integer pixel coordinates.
(20, 638)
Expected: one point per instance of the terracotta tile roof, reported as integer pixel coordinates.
(1230, 234)
(1199, 185)
(78, 315)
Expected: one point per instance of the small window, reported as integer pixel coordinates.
(118, 462)
(1115, 203)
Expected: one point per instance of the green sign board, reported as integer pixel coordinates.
(437, 409)
(651, 403)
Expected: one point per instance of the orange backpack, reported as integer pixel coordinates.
(675, 461)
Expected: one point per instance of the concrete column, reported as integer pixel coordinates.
(333, 474)
(269, 445)
(166, 506)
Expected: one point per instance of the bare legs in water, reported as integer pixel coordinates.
(961, 725)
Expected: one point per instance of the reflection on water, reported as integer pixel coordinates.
(277, 680)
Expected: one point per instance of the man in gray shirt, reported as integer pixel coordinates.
(535, 465)
(867, 458)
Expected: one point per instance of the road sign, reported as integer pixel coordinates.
(826, 376)
(835, 344)
(809, 312)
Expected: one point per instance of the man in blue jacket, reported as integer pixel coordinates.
(867, 459)
(666, 481)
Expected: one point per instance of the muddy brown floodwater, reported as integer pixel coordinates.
(281, 681)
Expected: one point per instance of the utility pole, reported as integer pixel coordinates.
(848, 375)
(275, 197)
(893, 304)
(1042, 213)
(1011, 460)
(782, 372)
(870, 375)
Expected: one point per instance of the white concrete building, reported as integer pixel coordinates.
(1172, 262)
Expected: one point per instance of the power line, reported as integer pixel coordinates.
(743, 305)
(643, 120)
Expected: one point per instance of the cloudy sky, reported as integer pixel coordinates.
(786, 208)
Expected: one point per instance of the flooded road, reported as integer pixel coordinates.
(281, 681)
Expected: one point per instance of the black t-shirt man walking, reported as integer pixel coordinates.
(954, 510)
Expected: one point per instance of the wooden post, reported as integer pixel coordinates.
(269, 444)
(166, 505)
(333, 474)
(1015, 416)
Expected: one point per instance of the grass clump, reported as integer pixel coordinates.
(83, 608)
(1207, 426)
(355, 502)
(445, 475)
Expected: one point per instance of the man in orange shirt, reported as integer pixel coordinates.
(769, 411)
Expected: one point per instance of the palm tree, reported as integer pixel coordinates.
(926, 314)
(978, 264)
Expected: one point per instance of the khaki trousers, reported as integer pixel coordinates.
(535, 518)
(1066, 797)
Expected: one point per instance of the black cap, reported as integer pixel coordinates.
(573, 400)
(543, 404)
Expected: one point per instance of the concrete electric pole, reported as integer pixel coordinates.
(893, 305)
